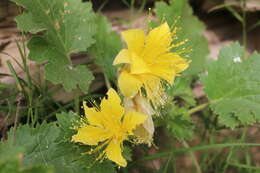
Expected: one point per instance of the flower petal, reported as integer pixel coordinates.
(129, 84)
(145, 131)
(114, 153)
(112, 106)
(92, 115)
(138, 65)
(124, 56)
(153, 88)
(132, 120)
(164, 71)
(168, 65)
(134, 39)
(158, 42)
(91, 135)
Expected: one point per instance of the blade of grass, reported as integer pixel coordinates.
(233, 150)
(71, 104)
(165, 170)
(229, 7)
(235, 14)
(13, 58)
(254, 26)
(126, 3)
(14, 74)
(25, 65)
(239, 165)
(193, 157)
(217, 7)
(16, 120)
(196, 148)
(244, 35)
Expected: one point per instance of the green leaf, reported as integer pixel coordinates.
(67, 27)
(180, 13)
(44, 146)
(232, 86)
(178, 122)
(11, 159)
(182, 89)
(108, 44)
(67, 121)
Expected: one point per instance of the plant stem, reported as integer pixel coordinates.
(193, 157)
(198, 108)
(19, 98)
(243, 5)
(195, 148)
(107, 82)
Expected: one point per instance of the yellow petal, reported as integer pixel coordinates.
(92, 115)
(138, 65)
(132, 120)
(91, 135)
(145, 131)
(112, 106)
(124, 56)
(114, 153)
(164, 71)
(167, 66)
(158, 42)
(180, 64)
(134, 39)
(129, 84)
(153, 88)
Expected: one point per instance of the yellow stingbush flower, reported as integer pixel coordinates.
(149, 61)
(108, 126)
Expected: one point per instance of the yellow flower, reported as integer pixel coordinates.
(149, 62)
(144, 132)
(108, 127)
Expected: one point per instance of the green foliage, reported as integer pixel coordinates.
(108, 44)
(67, 27)
(178, 122)
(182, 89)
(232, 86)
(49, 146)
(67, 121)
(179, 13)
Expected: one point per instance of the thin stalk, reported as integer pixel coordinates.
(14, 74)
(132, 8)
(102, 6)
(70, 105)
(243, 4)
(16, 120)
(107, 82)
(196, 148)
(165, 170)
(4, 53)
(141, 9)
(22, 51)
(193, 157)
(198, 108)
(77, 103)
(232, 150)
(25, 66)
(171, 157)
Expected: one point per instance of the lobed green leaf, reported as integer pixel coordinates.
(232, 86)
(108, 44)
(66, 26)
